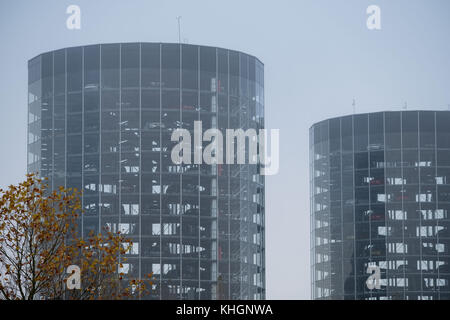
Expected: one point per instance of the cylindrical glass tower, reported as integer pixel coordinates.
(100, 119)
(380, 201)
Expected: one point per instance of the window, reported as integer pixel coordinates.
(190, 67)
(392, 127)
(443, 130)
(130, 65)
(207, 68)
(91, 67)
(426, 129)
(376, 130)
(74, 65)
(150, 58)
(410, 129)
(110, 66)
(170, 65)
(130, 208)
(361, 132)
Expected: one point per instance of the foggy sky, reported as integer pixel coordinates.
(318, 56)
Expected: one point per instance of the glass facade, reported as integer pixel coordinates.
(380, 196)
(100, 119)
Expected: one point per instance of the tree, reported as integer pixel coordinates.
(39, 242)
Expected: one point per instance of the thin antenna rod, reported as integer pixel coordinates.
(354, 105)
(179, 29)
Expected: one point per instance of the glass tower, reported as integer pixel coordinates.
(380, 202)
(100, 119)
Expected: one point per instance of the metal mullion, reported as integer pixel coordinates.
(386, 204)
(248, 200)
(240, 181)
(82, 140)
(120, 146)
(229, 179)
(181, 178)
(160, 174)
(198, 175)
(140, 165)
(217, 173)
(419, 202)
(369, 171)
(342, 207)
(53, 121)
(65, 117)
(100, 187)
(311, 219)
(403, 205)
(328, 171)
(354, 206)
(437, 200)
(263, 195)
(28, 125)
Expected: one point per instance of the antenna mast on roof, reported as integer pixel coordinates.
(179, 29)
(354, 105)
(405, 106)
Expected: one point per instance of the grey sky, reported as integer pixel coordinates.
(318, 56)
